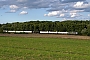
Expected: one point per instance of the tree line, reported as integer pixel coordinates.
(82, 27)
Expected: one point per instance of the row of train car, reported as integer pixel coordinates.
(40, 32)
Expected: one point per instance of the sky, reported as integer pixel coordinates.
(43, 10)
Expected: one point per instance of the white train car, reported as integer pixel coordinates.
(28, 31)
(48, 32)
(44, 32)
(17, 31)
(52, 32)
(63, 32)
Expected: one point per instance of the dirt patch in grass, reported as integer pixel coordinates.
(47, 36)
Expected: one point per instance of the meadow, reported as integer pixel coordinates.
(22, 48)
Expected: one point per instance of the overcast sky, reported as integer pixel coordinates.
(44, 10)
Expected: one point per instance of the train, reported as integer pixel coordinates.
(40, 32)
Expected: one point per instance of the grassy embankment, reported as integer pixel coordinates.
(13, 48)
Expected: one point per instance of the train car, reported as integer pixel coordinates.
(17, 31)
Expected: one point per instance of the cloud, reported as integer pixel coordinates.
(89, 15)
(14, 7)
(70, 8)
(55, 8)
(2, 0)
(68, 1)
(25, 7)
(62, 15)
(76, 11)
(21, 0)
(53, 13)
(23, 12)
(82, 5)
(73, 15)
(11, 11)
(78, 4)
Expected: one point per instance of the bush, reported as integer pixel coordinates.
(84, 31)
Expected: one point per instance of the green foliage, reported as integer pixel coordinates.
(17, 48)
(88, 30)
(84, 31)
(36, 26)
(1, 30)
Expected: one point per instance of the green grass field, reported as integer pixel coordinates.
(20, 48)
